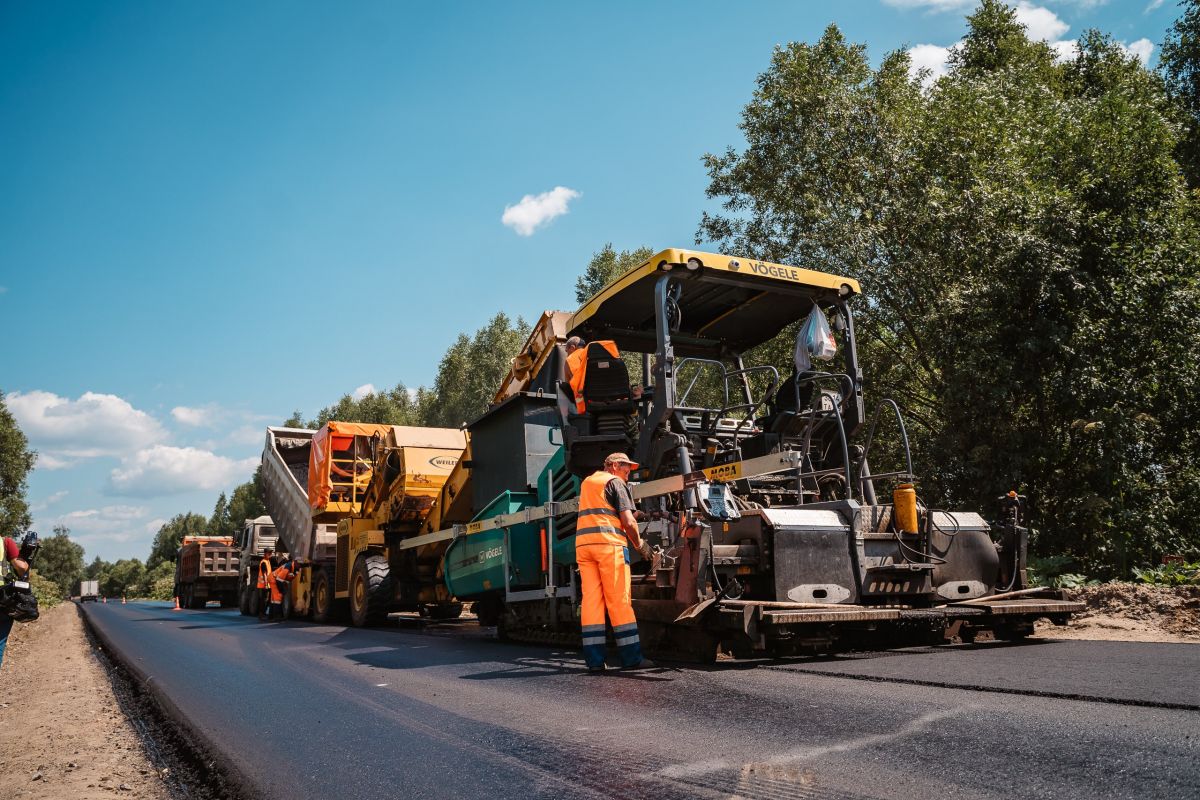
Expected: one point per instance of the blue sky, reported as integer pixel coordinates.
(212, 214)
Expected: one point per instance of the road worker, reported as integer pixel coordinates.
(604, 534)
(576, 368)
(280, 583)
(265, 568)
(20, 566)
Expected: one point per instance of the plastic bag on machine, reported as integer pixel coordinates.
(814, 340)
(818, 337)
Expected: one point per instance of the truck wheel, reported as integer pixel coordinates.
(287, 612)
(325, 608)
(252, 601)
(244, 601)
(370, 590)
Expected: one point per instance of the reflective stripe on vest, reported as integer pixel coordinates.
(598, 522)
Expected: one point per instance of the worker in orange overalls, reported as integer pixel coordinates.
(280, 580)
(576, 369)
(604, 533)
(265, 568)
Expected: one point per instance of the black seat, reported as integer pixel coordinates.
(604, 426)
(606, 382)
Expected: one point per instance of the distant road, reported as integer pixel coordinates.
(313, 711)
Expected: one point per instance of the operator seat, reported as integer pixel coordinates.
(604, 426)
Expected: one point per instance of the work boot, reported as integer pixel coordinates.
(597, 670)
(645, 663)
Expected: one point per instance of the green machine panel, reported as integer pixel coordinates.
(475, 564)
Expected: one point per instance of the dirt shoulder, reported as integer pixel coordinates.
(62, 733)
(1132, 612)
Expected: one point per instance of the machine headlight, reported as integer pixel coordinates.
(693, 264)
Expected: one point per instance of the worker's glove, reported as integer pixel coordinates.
(645, 551)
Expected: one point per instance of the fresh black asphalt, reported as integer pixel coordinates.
(311, 711)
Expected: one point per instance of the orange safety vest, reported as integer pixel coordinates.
(598, 522)
(264, 574)
(281, 574)
(577, 363)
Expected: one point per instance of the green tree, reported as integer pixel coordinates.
(471, 371)
(61, 560)
(170, 537)
(1179, 65)
(220, 523)
(246, 502)
(1028, 250)
(95, 568)
(16, 461)
(124, 577)
(395, 406)
(295, 421)
(606, 266)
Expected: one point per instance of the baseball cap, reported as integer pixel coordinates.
(620, 458)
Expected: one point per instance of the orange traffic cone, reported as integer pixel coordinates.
(104, 599)
(122, 599)
(177, 608)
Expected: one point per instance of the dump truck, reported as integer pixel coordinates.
(772, 531)
(342, 499)
(89, 590)
(253, 539)
(206, 569)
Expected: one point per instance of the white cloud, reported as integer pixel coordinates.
(153, 525)
(194, 417)
(163, 470)
(1041, 24)
(3, 289)
(1154, 4)
(48, 501)
(1065, 50)
(1141, 50)
(51, 462)
(930, 57)
(110, 523)
(94, 425)
(363, 391)
(536, 210)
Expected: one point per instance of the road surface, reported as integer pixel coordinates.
(311, 711)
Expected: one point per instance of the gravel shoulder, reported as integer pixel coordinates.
(1132, 612)
(62, 732)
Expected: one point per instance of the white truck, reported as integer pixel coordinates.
(89, 590)
(253, 540)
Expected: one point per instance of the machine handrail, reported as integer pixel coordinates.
(862, 461)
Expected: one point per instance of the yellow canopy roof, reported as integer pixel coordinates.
(727, 303)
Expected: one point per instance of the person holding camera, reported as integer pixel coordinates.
(20, 566)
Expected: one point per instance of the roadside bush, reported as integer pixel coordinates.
(1174, 574)
(161, 589)
(46, 591)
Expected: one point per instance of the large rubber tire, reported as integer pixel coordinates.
(370, 590)
(255, 601)
(324, 607)
(244, 601)
(287, 611)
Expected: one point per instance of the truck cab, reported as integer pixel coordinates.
(253, 540)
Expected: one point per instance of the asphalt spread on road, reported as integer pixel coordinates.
(312, 711)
